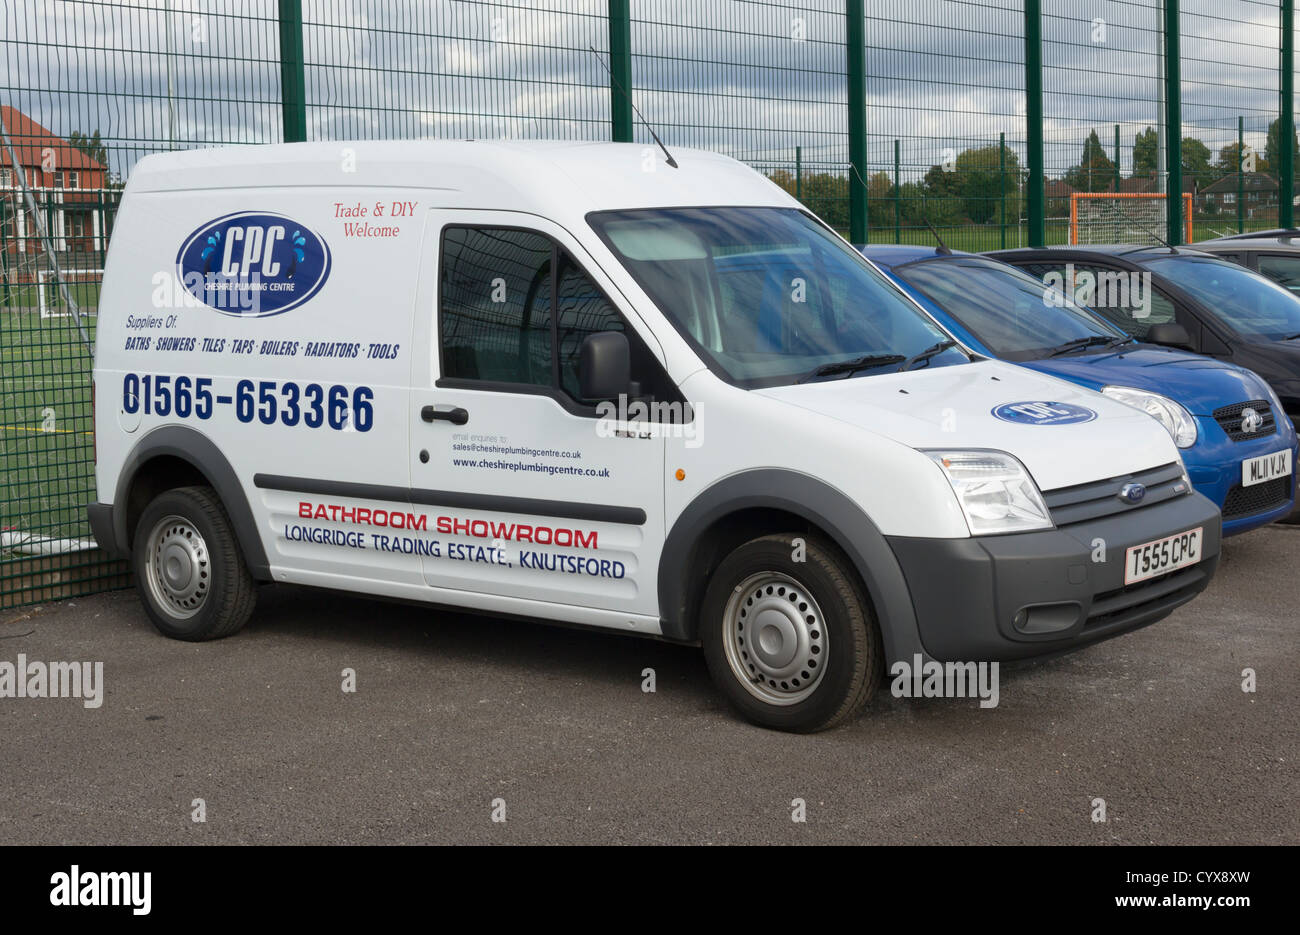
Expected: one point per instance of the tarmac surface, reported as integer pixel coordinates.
(458, 718)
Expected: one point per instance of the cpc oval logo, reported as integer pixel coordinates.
(1044, 413)
(253, 264)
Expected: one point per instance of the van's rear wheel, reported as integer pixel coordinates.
(188, 567)
(792, 644)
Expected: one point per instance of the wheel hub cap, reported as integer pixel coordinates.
(774, 638)
(179, 571)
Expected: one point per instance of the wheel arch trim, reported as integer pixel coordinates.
(818, 503)
(202, 454)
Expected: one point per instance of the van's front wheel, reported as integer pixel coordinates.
(188, 567)
(791, 642)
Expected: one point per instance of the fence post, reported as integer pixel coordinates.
(1034, 121)
(856, 53)
(4, 248)
(1117, 172)
(1286, 169)
(898, 196)
(1241, 178)
(293, 82)
(1173, 126)
(1002, 184)
(798, 172)
(620, 70)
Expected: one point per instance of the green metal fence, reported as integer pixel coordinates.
(987, 123)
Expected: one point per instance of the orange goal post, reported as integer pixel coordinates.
(1126, 217)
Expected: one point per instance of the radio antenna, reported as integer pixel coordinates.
(943, 247)
(623, 91)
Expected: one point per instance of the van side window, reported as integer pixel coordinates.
(514, 307)
(581, 310)
(494, 304)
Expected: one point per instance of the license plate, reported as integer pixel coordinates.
(1152, 559)
(1266, 468)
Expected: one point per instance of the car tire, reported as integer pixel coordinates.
(791, 643)
(188, 566)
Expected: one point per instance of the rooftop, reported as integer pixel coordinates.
(554, 179)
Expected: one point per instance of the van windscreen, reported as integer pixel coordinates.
(768, 296)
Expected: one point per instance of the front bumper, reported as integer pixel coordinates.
(101, 527)
(1214, 466)
(1011, 597)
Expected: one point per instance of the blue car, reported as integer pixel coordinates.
(1241, 459)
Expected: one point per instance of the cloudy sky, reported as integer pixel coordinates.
(753, 79)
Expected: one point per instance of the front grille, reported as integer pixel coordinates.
(1124, 605)
(1258, 498)
(1098, 499)
(1229, 419)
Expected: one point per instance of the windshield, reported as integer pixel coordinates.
(1009, 311)
(1250, 304)
(768, 296)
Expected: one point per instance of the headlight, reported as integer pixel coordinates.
(1177, 420)
(995, 491)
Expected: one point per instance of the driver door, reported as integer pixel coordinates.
(530, 492)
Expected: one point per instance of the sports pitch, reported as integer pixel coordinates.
(47, 473)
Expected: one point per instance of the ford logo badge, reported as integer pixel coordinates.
(1132, 493)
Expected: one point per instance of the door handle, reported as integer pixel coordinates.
(455, 415)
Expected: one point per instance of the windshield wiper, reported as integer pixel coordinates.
(850, 366)
(1079, 344)
(926, 354)
(1291, 337)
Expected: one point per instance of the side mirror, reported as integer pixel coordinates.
(604, 365)
(1170, 335)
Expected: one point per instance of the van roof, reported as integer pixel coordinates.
(550, 178)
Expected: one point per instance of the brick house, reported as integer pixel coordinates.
(1056, 194)
(69, 186)
(1257, 191)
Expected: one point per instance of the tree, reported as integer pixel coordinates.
(1095, 171)
(92, 146)
(825, 193)
(1273, 148)
(941, 197)
(913, 196)
(1228, 162)
(1145, 157)
(880, 203)
(941, 182)
(981, 183)
(1196, 160)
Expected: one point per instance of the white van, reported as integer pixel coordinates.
(570, 382)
